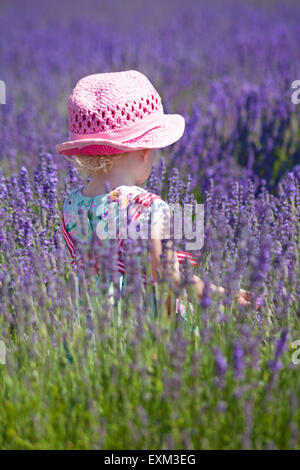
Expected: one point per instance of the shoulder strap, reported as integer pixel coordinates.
(67, 237)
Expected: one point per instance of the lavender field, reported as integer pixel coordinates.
(77, 372)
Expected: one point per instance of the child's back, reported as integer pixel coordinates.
(83, 216)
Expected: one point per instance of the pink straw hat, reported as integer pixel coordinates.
(118, 112)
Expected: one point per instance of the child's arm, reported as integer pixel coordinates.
(244, 297)
(173, 263)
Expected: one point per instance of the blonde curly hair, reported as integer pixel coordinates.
(92, 164)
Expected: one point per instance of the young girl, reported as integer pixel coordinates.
(116, 121)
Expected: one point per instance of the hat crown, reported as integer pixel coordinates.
(106, 101)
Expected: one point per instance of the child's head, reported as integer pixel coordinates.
(116, 120)
(137, 163)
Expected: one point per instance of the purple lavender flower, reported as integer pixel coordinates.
(238, 359)
(221, 367)
(275, 364)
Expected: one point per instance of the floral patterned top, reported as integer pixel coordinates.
(84, 214)
(79, 210)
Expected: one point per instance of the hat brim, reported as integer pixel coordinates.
(169, 130)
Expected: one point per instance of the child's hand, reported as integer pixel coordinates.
(245, 298)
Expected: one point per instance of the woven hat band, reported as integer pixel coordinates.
(127, 132)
